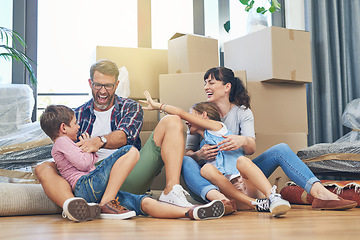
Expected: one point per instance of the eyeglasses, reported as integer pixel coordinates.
(98, 86)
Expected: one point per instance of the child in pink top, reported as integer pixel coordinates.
(101, 184)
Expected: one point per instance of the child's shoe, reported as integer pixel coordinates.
(278, 206)
(211, 210)
(261, 205)
(113, 210)
(78, 210)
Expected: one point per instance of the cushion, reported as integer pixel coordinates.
(346, 189)
(25, 199)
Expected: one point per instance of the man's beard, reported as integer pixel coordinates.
(105, 105)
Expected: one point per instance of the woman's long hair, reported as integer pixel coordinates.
(238, 93)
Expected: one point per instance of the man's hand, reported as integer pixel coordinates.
(89, 144)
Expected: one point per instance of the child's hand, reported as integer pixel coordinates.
(152, 105)
(84, 136)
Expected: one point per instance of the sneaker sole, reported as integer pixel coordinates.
(280, 210)
(118, 216)
(212, 210)
(78, 210)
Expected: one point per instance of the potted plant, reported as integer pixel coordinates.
(8, 53)
(274, 6)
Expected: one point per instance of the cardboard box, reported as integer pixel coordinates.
(143, 64)
(278, 107)
(189, 53)
(144, 135)
(151, 118)
(296, 141)
(273, 54)
(184, 90)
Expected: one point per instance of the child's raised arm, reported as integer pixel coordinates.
(200, 121)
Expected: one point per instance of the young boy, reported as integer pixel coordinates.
(101, 184)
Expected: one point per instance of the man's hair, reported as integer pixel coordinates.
(210, 108)
(106, 67)
(53, 117)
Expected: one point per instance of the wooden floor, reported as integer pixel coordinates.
(299, 223)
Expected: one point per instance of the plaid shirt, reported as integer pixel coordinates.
(126, 116)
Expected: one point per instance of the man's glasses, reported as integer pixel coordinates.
(98, 86)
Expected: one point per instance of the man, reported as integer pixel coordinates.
(113, 122)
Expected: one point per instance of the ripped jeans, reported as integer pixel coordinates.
(92, 186)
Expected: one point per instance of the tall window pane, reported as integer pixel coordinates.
(6, 9)
(169, 17)
(68, 33)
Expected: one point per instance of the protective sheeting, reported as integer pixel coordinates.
(23, 144)
(17, 103)
(341, 158)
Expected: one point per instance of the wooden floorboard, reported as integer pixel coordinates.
(299, 223)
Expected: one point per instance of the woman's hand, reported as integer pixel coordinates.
(207, 152)
(232, 142)
(152, 105)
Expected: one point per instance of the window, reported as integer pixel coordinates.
(6, 9)
(68, 33)
(169, 17)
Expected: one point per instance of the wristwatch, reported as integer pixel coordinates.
(103, 139)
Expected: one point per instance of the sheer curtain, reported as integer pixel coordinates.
(334, 26)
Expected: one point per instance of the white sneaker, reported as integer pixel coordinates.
(78, 210)
(176, 197)
(278, 206)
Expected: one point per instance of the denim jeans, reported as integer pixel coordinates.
(282, 155)
(92, 186)
(278, 155)
(197, 185)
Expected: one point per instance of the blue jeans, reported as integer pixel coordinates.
(197, 185)
(92, 186)
(278, 155)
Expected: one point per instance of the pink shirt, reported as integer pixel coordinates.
(71, 161)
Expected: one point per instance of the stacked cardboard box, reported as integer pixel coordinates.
(278, 64)
(144, 66)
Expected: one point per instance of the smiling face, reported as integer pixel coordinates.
(71, 131)
(193, 128)
(216, 90)
(103, 98)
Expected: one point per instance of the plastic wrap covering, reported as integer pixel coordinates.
(335, 159)
(17, 102)
(341, 158)
(351, 119)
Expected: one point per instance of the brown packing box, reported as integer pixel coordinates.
(272, 54)
(151, 118)
(186, 89)
(143, 64)
(296, 141)
(189, 53)
(278, 107)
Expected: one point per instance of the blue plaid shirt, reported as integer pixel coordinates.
(126, 116)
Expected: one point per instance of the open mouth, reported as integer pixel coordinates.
(102, 99)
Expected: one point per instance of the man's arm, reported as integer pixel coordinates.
(115, 139)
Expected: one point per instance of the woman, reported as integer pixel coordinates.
(231, 98)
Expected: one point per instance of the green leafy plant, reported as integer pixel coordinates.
(274, 6)
(8, 53)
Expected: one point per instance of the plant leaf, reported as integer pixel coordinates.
(261, 10)
(245, 2)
